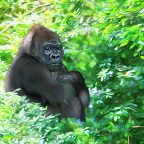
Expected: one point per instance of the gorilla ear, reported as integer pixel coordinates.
(27, 45)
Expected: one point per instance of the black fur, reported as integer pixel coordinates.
(39, 73)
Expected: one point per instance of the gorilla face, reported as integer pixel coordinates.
(44, 45)
(52, 52)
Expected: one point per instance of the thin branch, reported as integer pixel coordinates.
(128, 139)
(37, 7)
(138, 127)
(137, 12)
(7, 27)
(40, 6)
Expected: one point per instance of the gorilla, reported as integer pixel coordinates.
(38, 72)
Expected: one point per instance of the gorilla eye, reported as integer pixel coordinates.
(47, 48)
(58, 46)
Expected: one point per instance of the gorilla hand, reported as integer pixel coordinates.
(71, 77)
(66, 78)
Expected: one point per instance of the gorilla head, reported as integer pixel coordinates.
(44, 45)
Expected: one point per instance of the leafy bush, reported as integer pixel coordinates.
(23, 122)
(102, 39)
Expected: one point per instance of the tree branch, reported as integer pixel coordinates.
(37, 7)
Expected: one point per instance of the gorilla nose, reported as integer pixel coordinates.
(55, 56)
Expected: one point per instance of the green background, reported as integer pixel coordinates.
(104, 40)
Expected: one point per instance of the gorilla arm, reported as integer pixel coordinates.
(36, 80)
(77, 80)
(81, 100)
(81, 87)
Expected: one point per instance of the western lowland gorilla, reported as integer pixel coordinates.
(38, 72)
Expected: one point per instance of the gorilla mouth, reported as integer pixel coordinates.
(54, 66)
(54, 63)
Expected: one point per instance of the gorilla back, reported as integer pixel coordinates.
(39, 73)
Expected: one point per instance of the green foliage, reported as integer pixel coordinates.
(23, 122)
(18, 119)
(102, 39)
